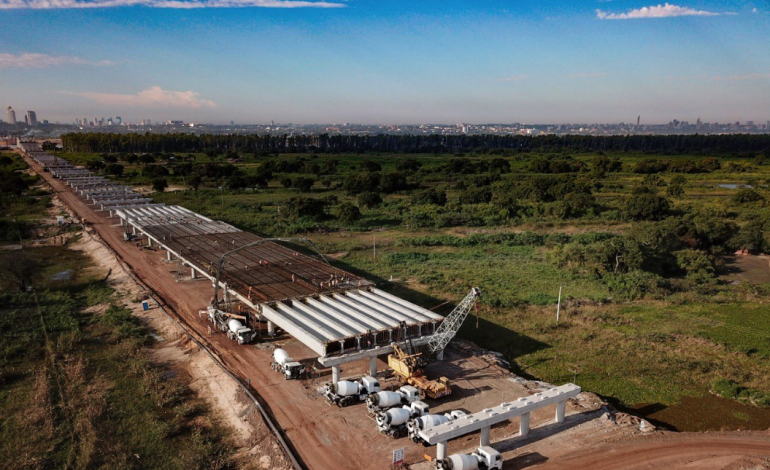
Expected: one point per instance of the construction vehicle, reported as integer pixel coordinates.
(429, 421)
(408, 366)
(347, 392)
(381, 401)
(485, 458)
(393, 421)
(284, 364)
(231, 324)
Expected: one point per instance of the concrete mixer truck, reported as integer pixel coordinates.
(485, 458)
(383, 400)
(230, 324)
(284, 364)
(429, 421)
(393, 421)
(346, 392)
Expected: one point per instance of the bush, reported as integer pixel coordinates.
(369, 199)
(159, 184)
(296, 207)
(647, 206)
(347, 213)
(357, 183)
(747, 195)
(392, 182)
(430, 196)
(698, 265)
(633, 284)
(476, 196)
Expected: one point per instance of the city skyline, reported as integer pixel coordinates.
(362, 61)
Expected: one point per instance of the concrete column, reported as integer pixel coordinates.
(193, 274)
(373, 366)
(524, 425)
(484, 441)
(391, 335)
(270, 329)
(149, 241)
(440, 355)
(342, 347)
(133, 227)
(419, 330)
(168, 255)
(560, 411)
(335, 374)
(358, 342)
(441, 450)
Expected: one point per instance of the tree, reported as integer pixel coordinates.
(698, 265)
(430, 196)
(19, 267)
(299, 206)
(348, 213)
(647, 206)
(114, 169)
(371, 165)
(369, 199)
(159, 185)
(195, 181)
(393, 181)
(303, 184)
(676, 187)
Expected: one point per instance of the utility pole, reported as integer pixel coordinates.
(558, 306)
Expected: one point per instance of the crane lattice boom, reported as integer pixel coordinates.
(452, 323)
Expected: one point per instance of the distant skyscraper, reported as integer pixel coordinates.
(11, 115)
(31, 119)
(638, 120)
(118, 120)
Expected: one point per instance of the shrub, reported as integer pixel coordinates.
(369, 199)
(430, 196)
(633, 284)
(698, 265)
(747, 195)
(647, 206)
(347, 213)
(159, 184)
(296, 207)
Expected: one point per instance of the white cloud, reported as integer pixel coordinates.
(655, 11)
(152, 97)
(184, 4)
(27, 60)
(514, 78)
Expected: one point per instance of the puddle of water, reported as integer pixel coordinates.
(63, 276)
(707, 413)
(733, 185)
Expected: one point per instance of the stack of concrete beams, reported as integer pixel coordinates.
(98, 190)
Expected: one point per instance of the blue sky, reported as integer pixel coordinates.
(386, 61)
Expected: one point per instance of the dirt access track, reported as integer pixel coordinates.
(329, 438)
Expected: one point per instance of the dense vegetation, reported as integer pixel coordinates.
(672, 144)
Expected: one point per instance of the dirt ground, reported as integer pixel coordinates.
(747, 268)
(326, 437)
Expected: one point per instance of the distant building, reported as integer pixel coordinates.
(118, 120)
(31, 119)
(11, 115)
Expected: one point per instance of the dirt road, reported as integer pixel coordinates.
(672, 451)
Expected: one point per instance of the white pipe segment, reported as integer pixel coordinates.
(406, 309)
(330, 323)
(318, 327)
(407, 304)
(369, 319)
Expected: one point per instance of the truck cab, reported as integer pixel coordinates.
(292, 370)
(370, 384)
(409, 393)
(489, 458)
(419, 408)
(243, 335)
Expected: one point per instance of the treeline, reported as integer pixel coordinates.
(737, 144)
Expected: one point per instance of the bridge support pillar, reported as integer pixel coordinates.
(335, 374)
(484, 441)
(270, 328)
(524, 425)
(560, 407)
(373, 366)
(441, 450)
